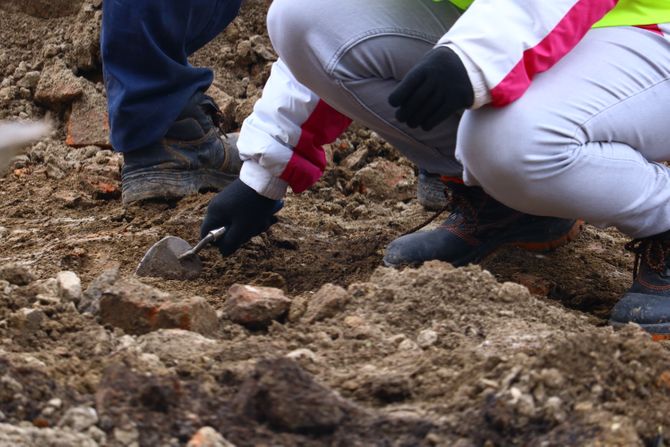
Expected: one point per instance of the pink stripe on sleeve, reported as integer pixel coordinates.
(653, 28)
(309, 159)
(563, 38)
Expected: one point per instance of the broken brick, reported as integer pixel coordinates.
(89, 123)
(255, 306)
(138, 309)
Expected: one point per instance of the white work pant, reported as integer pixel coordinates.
(585, 141)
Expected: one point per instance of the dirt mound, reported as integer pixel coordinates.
(365, 355)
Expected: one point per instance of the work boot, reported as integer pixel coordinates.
(647, 302)
(430, 191)
(477, 226)
(193, 156)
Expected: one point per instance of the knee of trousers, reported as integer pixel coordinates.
(517, 159)
(290, 22)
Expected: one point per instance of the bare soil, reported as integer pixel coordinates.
(428, 356)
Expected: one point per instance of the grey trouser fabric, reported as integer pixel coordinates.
(352, 54)
(586, 139)
(583, 142)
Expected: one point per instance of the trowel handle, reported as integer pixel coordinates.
(216, 234)
(212, 236)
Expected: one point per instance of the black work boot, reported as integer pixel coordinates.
(647, 302)
(193, 156)
(476, 227)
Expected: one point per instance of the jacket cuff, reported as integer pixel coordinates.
(262, 181)
(481, 91)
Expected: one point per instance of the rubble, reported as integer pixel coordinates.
(255, 306)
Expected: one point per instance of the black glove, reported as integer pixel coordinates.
(433, 90)
(244, 213)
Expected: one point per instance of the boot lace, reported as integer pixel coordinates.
(653, 252)
(458, 199)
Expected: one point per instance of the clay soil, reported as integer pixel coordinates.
(428, 356)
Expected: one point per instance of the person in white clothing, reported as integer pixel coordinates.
(564, 103)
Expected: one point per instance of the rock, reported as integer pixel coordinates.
(385, 180)
(303, 354)
(90, 301)
(255, 306)
(79, 419)
(511, 292)
(282, 394)
(138, 309)
(58, 85)
(69, 286)
(11, 435)
(355, 160)
(27, 320)
(176, 344)
(17, 274)
(30, 80)
(426, 338)
(89, 123)
(535, 284)
(208, 437)
(227, 105)
(408, 345)
(326, 303)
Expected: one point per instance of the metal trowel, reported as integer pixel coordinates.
(174, 258)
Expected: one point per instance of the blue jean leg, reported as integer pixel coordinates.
(145, 49)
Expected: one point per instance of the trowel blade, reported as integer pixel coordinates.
(162, 260)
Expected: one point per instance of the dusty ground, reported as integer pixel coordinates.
(434, 356)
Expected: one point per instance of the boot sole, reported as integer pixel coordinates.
(171, 184)
(537, 247)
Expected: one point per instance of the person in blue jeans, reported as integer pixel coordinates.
(160, 117)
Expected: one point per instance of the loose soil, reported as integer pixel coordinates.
(429, 356)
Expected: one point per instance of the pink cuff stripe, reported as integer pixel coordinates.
(563, 38)
(309, 159)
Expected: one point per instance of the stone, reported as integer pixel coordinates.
(509, 292)
(535, 284)
(326, 303)
(90, 300)
(57, 85)
(89, 123)
(385, 180)
(227, 105)
(208, 437)
(14, 436)
(426, 338)
(17, 274)
(355, 160)
(27, 320)
(279, 392)
(69, 286)
(176, 344)
(79, 419)
(255, 306)
(138, 309)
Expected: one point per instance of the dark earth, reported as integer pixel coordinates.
(514, 352)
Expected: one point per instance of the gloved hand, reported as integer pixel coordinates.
(433, 90)
(244, 213)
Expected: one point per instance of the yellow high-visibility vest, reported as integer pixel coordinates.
(626, 12)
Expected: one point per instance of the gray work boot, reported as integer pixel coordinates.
(193, 156)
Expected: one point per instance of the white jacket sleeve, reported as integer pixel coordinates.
(281, 141)
(505, 43)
